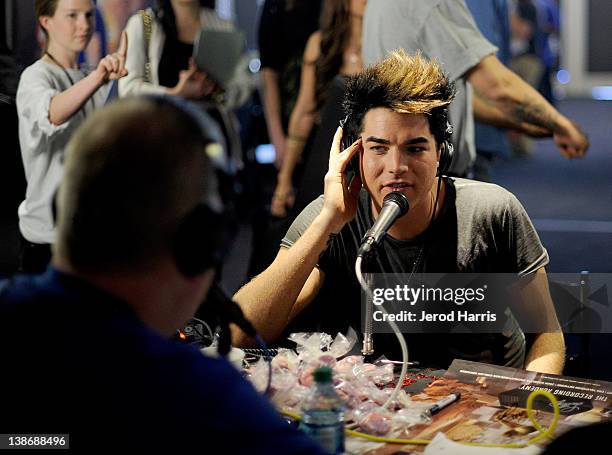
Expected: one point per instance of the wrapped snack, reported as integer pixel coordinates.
(326, 360)
(357, 382)
(306, 378)
(376, 422)
(258, 375)
(348, 393)
(343, 344)
(365, 390)
(283, 380)
(384, 394)
(379, 396)
(403, 399)
(290, 399)
(358, 413)
(410, 416)
(308, 343)
(313, 345)
(349, 366)
(286, 360)
(381, 375)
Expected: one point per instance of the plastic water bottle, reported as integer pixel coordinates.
(323, 413)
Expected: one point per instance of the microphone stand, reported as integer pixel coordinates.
(400, 337)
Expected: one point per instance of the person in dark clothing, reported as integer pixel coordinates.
(332, 50)
(12, 177)
(580, 439)
(139, 223)
(284, 28)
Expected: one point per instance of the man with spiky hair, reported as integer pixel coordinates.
(398, 110)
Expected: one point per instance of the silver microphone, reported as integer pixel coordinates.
(395, 205)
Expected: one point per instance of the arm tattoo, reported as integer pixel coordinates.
(526, 111)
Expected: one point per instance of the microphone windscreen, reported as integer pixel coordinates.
(398, 198)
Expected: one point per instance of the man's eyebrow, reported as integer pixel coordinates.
(416, 140)
(378, 140)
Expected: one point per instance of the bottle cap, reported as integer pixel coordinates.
(322, 374)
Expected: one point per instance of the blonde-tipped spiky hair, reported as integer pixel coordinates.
(403, 83)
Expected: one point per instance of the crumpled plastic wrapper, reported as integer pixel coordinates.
(364, 387)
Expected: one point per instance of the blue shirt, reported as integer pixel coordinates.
(78, 360)
(492, 19)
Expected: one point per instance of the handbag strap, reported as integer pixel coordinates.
(147, 26)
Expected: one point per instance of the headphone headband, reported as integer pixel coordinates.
(202, 236)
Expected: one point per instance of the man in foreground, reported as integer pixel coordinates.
(86, 344)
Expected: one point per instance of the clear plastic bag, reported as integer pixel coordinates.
(377, 421)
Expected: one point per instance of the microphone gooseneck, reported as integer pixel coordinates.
(395, 205)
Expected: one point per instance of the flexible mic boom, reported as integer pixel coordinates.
(227, 311)
(395, 205)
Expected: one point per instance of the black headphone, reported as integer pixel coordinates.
(446, 151)
(202, 237)
(199, 242)
(446, 148)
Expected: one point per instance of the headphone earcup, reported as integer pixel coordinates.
(446, 155)
(196, 242)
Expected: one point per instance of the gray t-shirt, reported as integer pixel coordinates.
(43, 143)
(443, 30)
(481, 228)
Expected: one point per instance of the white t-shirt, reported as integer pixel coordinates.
(43, 143)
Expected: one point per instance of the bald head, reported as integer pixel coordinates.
(132, 172)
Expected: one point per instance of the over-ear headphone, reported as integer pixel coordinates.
(199, 242)
(446, 150)
(202, 237)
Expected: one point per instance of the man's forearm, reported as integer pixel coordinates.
(486, 112)
(514, 97)
(530, 107)
(547, 354)
(268, 300)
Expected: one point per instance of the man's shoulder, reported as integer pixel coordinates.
(22, 288)
(310, 212)
(302, 222)
(474, 192)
